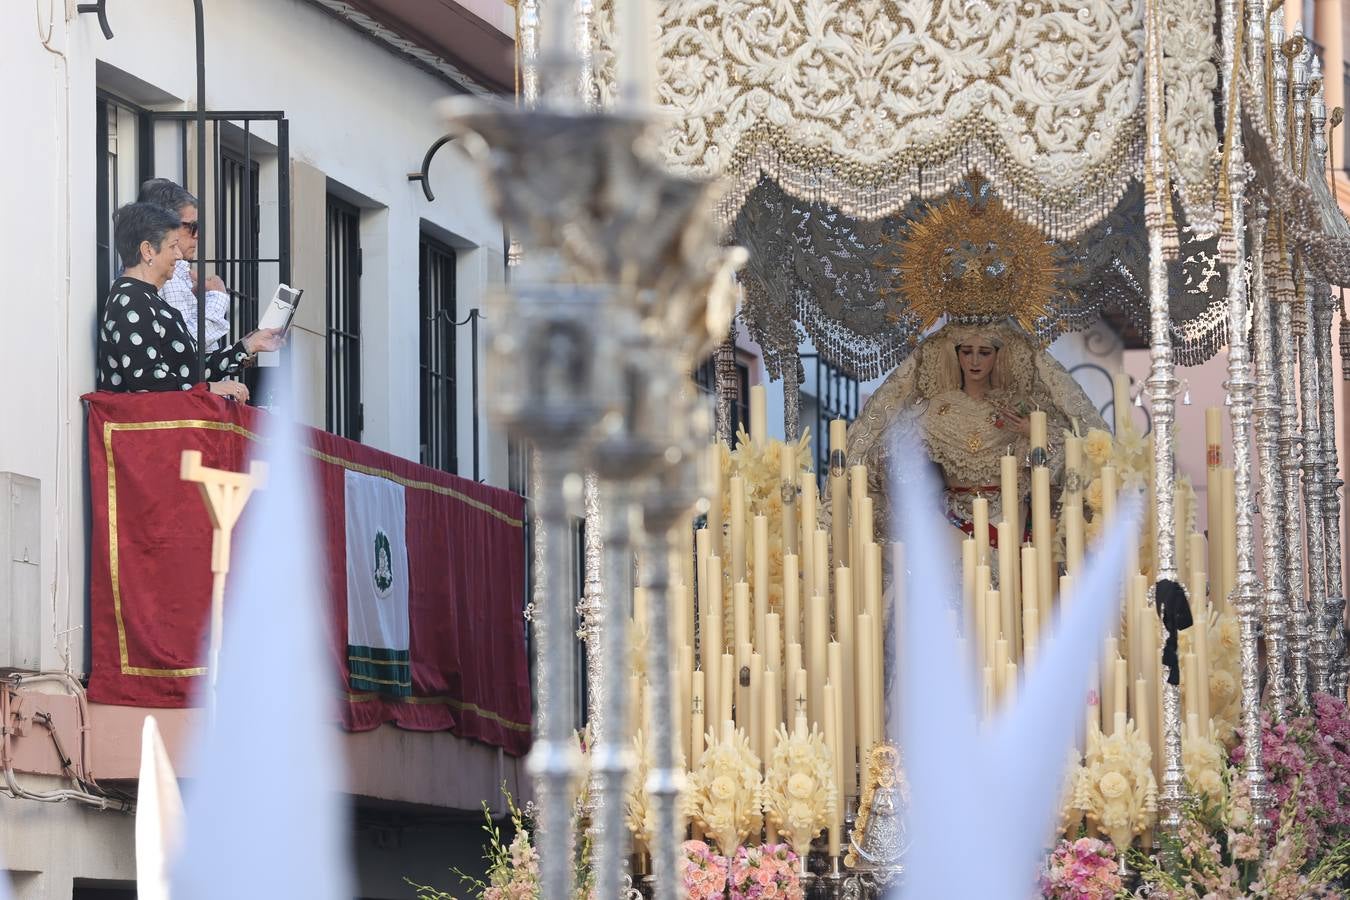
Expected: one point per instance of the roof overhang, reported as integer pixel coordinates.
(463, 43)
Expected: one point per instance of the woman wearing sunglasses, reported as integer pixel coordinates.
(181, 289)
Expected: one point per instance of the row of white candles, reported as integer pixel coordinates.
(1004, 622)
(818, 663)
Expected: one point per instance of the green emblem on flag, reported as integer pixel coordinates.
(384, 564)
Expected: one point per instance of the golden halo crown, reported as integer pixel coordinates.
(970, 259)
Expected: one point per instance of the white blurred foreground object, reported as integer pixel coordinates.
(159, 816)
(264, 816)
(1002, 782)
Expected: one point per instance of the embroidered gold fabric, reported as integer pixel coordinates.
(868, 104)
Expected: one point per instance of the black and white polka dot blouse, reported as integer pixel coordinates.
(143, 344)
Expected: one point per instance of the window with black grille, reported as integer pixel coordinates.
(344, 319)
(828, 394)
(436, 280)
(238, 220)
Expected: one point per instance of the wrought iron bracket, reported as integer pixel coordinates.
(101, 10)
(424, 176)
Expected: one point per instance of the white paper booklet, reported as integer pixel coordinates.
(281, 310)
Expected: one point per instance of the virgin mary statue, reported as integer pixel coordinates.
(965, 396)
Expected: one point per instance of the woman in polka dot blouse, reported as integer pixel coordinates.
(143, 344)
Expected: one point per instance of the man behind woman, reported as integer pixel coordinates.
(181, 289)
(144, 342)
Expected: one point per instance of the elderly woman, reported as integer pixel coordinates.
(143, 344)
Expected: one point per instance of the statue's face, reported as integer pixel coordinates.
(977, 360)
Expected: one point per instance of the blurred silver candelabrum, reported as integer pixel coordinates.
(624, 283)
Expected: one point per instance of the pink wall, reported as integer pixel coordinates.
(427, 768)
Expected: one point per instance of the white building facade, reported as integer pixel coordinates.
(327, 107)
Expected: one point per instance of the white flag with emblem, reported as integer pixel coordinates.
(377, 586)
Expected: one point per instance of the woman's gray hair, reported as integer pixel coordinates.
(137, 222)
(166, 194)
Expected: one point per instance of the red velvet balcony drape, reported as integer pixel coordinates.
(150, 579)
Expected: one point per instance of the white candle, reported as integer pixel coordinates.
(839, 510)
(831, 728)
(857, 486)
(737, 536)
(1073, 504)
(728, 689)
(969, 586)
(792, 612)
(980, 525)
(836, 681)
(792, 664)
(1142, 709)
(1200, 641)
(741, 626)
(1042, 536)
(1214, 487)
(864, 706)
(696, 719)
(1120, 390)
(1039, 430)
(1010, 497)
(849, 686)
(710, 640)
(1120, 684)
(1228, 528)
(759, 421)
(821, 564)
(817, 635)
(761, 607)
(806, 549)
(755, 693)
(772, 712)
(773, 642)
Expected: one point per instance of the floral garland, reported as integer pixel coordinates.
(758, 873)
(703, 873)
(1307, 763)
(1084, 869)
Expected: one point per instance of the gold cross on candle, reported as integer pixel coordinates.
(698, 705)
(801, 703)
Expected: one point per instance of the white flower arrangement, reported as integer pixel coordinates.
(1205, 762)
(799, 793)
(724, 791)
(1115, 787)
(638, 811)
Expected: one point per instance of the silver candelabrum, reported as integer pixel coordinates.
(1241, 386)
(623, 284)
